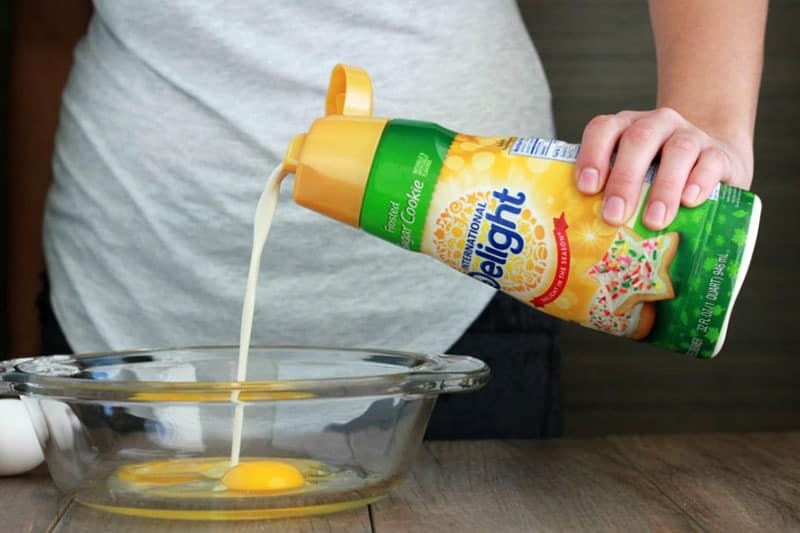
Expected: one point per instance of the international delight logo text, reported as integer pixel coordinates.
(503, 238)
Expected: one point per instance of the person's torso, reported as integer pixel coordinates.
(176, 111)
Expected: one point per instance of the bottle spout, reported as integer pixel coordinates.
(331, 162)
(292, 157)
(349, 94)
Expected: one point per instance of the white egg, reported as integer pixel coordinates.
(20, 450)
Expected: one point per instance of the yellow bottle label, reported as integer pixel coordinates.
(512, 218)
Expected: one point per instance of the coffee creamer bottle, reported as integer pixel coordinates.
(505, 211)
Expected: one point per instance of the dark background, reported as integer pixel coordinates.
(5, 41)
(599, 58)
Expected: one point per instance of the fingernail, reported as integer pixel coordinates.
(588, 180)
(614, 209)
(691, 193)
(655, 213)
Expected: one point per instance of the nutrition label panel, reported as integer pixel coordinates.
(545, 149)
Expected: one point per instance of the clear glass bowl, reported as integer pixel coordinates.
(149, 432)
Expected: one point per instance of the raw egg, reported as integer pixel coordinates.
(171, 472)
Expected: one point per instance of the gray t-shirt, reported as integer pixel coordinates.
(176, 111)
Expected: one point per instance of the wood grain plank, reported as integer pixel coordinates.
(29, 503)
(80, 519)
(514, 486)
(743, 482)
(722, 482)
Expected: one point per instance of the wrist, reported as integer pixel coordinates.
(726, 125)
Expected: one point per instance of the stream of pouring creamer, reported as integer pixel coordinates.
(265, 210)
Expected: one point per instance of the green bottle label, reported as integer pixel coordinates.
(402, 180)
(704, 271)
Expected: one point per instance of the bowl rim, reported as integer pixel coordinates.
(431, 374)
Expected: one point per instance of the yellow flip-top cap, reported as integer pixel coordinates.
(331, 162)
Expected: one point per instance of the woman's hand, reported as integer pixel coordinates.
(693, 161)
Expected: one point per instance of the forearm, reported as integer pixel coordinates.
(710, 56)
(41, 60)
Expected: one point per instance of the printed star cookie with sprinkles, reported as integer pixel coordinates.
(635, 270)
(635, 323)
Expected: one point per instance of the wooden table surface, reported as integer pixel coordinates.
(716, 482)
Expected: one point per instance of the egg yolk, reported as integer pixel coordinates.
(263, 476)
